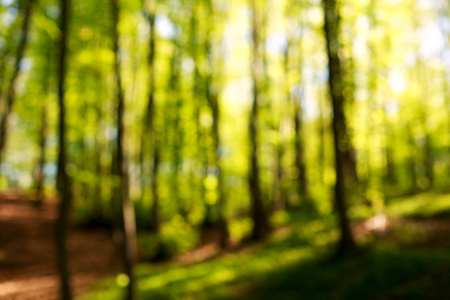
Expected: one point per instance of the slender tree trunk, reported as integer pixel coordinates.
(99, 147)
(302, 184)
(213, 101)
(149, 126)
(428, 158)
(11, 95)
(446, 90)
(40, 176)
(128, 223)
(201, 92)
(350, 173)
(64, 184)
(412, 159)
(178, 136)
(346, 246)
(390, 174)
(260, 220)
(321, 139)
(280, 199)
(7, 36)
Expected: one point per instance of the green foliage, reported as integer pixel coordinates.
(426, 205)
(396, 71)
(294, 264)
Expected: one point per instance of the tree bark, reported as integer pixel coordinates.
(321, 154)
(127, 222)
(11, 94)
(64, 184)
(149, 126)
(40, 176)
(260, 220)
(346, 244)
(302, 184)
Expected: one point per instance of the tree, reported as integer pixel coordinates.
(11, 94)
(149, 126)
(64, 184)
(214, 103)
(258, 213)
(43, 129)
(346, 244)
(127, 217)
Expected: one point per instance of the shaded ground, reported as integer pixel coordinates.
(409, 258)
(406, 256)
(27, 251)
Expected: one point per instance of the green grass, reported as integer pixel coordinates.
(426, 205)
(378, 274)
(293, 264)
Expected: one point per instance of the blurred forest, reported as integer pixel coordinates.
(261, 134)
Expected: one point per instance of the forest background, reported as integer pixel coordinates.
(158, 119)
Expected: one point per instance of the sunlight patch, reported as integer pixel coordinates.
(122, 280)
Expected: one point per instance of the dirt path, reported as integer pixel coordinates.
(27, 252)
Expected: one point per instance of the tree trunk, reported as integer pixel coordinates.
(213, 101)
(149, 130)
(346, 246)
(412, 148)
(201, 93)
(127, 222)
(177, 138)
(64, 184)
(389, 174)
(299, 154)
(99, 148)
(321, 154)
(40, 176)
(258, 213)
(11, 95)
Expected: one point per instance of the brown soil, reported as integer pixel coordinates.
(28, 256)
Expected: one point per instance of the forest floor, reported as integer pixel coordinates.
(28, 257)
(406, 256)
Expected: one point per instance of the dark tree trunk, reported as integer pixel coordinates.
(390, 167)
(321, 153)
(427, 149)
(4, 55)
(177, 136)
(127, 222)
(64, 184)
(350, 173)
(11, 94)
(150, 133)
(201, 93)
(412, 160)
(213, 101)
(390, 174)
(302, 184)
(346, 246)
(217, 163)
(40, 176)
(429, 159)
(279, 201)
(260, 220)
(99, 148)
